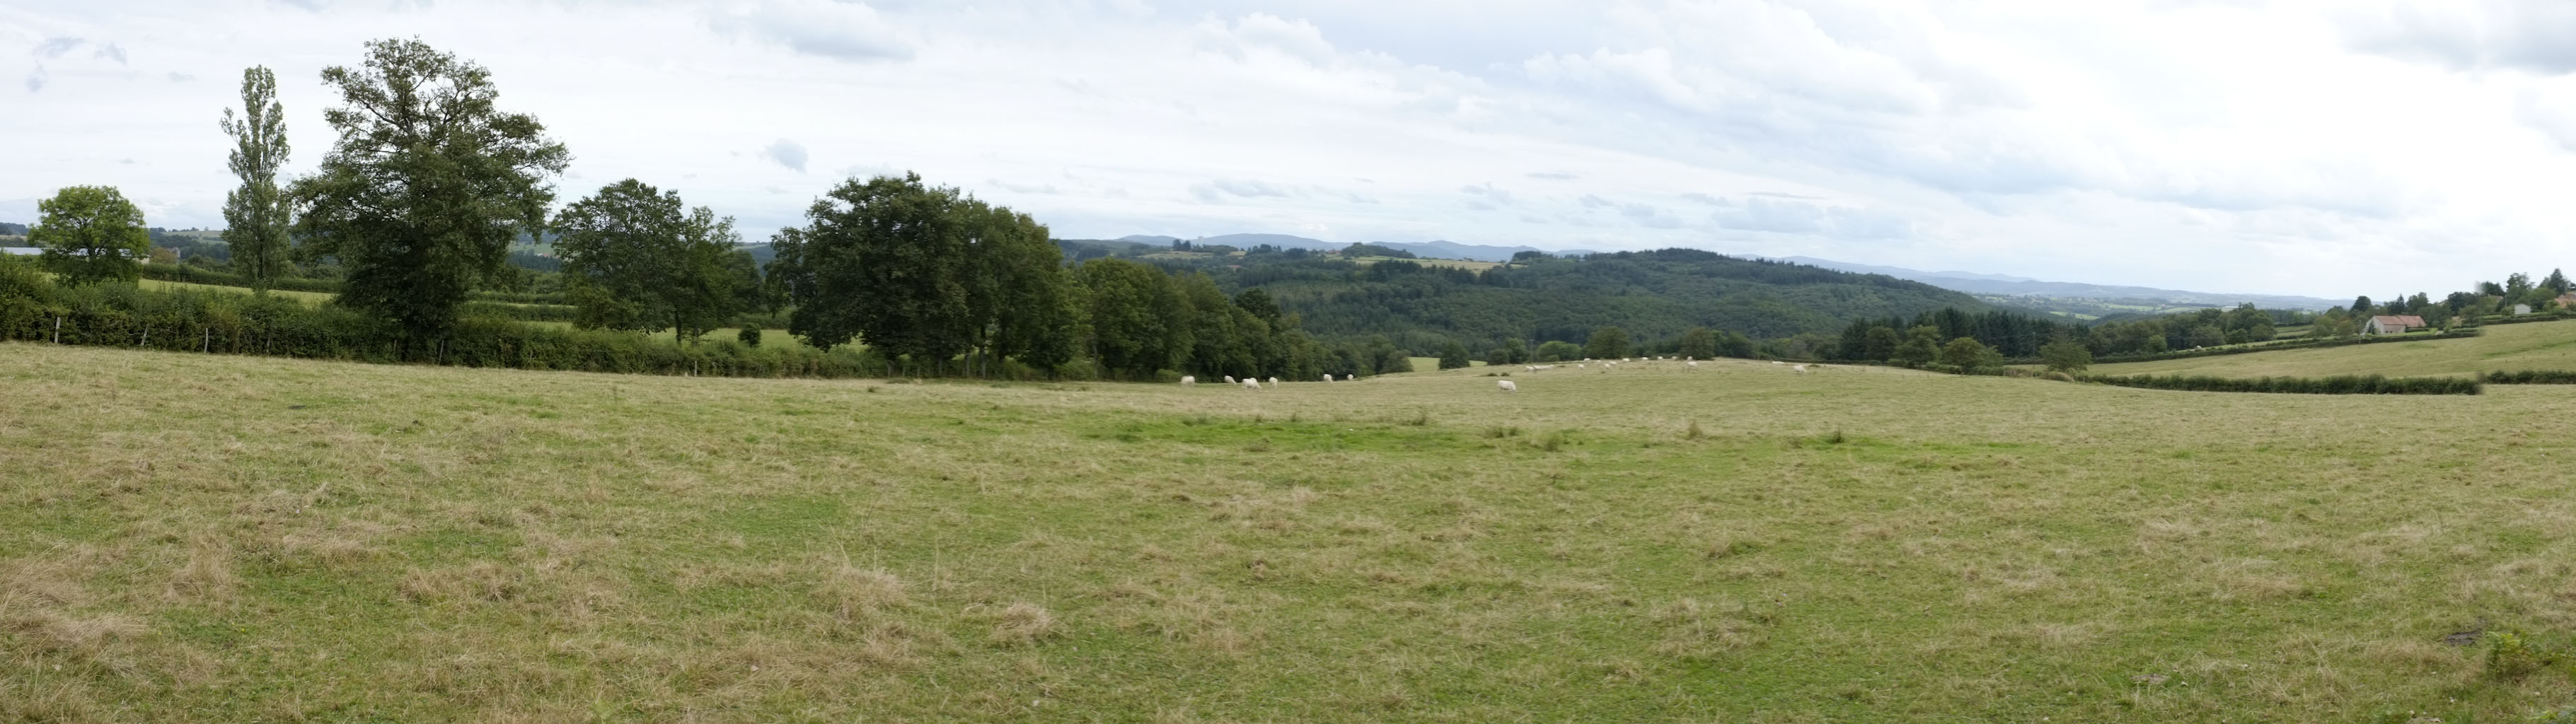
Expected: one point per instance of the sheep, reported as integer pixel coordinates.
(1802, 369)
(1507, 386)
(1694, 364)
(1578, 365)
(1328, 377)
(1274, 382)
(1229, 379)
(1189, 380)
(1252, 384)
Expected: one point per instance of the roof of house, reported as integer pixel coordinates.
(2402, 320)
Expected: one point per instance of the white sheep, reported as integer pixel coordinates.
(1252, 384)
(1229, 379)
(1802, 369)
(1189, 380)
(1328, 377)
(1694, 364)
(1274, 382)
(1578, 365)
(1507, 386)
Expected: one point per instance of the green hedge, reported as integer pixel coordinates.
(2529, 377)
(2338, 385)
(2276, 346)
(33, 308)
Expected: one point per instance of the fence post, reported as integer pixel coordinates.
(58, 329)
(209, 344)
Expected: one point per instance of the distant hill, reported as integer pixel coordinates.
(1654, 295)
(1975, 283)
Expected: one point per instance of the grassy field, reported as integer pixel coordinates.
(1453, 263)
(2537, 345)
(187, 537)
(310, 298)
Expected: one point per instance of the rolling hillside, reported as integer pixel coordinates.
(2542, 345)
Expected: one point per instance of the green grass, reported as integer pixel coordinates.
(2537, 345)
(309, 298)
(211, 538)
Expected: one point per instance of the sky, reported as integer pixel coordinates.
(2327, 148)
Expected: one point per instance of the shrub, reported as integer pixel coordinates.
(2530, 377)
(2337, 385)
(749, 336)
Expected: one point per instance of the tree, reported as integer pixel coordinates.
(2361, 304)
(2515, 285)
(884, 261)
(1968, 354)
(1607, 343)
(1453, 355)
(1698, 343)
(1921, 346)
(256, 215)
(2066, 355)
(1558, 351)
(1033, 308)
(91, 234)
(2556, 282)
(1134, 330)
(1880, 343)
(634, 257)
(427, 185)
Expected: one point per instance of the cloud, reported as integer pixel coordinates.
(1554, 176)
(1022, 188)
(36, 78)
(1650, 217)
(178, 77)
(839, 30)
(1697, 197)
(2533, 35)
(55, 47)
(1591, 201)
(110, 51)
(1242, 189)
(1780, 216)
(1493, 196)
(787, 153)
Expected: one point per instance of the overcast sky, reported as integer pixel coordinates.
(2327, 148)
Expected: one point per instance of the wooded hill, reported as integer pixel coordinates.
(1654, 295)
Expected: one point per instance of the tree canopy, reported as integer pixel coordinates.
(257, 213)
(427, 185)
(635, 257)
(91, 234)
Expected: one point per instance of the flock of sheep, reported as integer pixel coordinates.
(1504, 385)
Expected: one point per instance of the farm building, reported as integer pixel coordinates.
(2392, 324)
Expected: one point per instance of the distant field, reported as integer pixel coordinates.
(1452, 263)
(313, 298)
(2536, 345)
(250, 539)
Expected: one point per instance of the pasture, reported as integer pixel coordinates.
(2535, 345)
(235, 539)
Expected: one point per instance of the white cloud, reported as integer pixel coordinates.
(850, 31)
(787, 153)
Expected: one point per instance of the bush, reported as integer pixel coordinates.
(2338, 385)
(749, 336)
(2529, 377)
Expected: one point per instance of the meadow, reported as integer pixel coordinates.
(196, 537)
(2537, 345)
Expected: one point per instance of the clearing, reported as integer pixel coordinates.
(233, 539)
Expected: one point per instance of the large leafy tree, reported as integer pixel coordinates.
(1028, 296)
(1137, 317)
(1607, 343)
(885, 261)
(925, 272)
(427, 185)
(257, 213)
(91, 234)
(1699, 343)
(635, 257)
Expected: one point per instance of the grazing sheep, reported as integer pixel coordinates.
(1694, 364)
(1802, 369)
(1252, 384)
(1274, 382)
(1507, 386)
(1578, 365)
(1189, 380)
(1328, 377)
(1229, 379)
